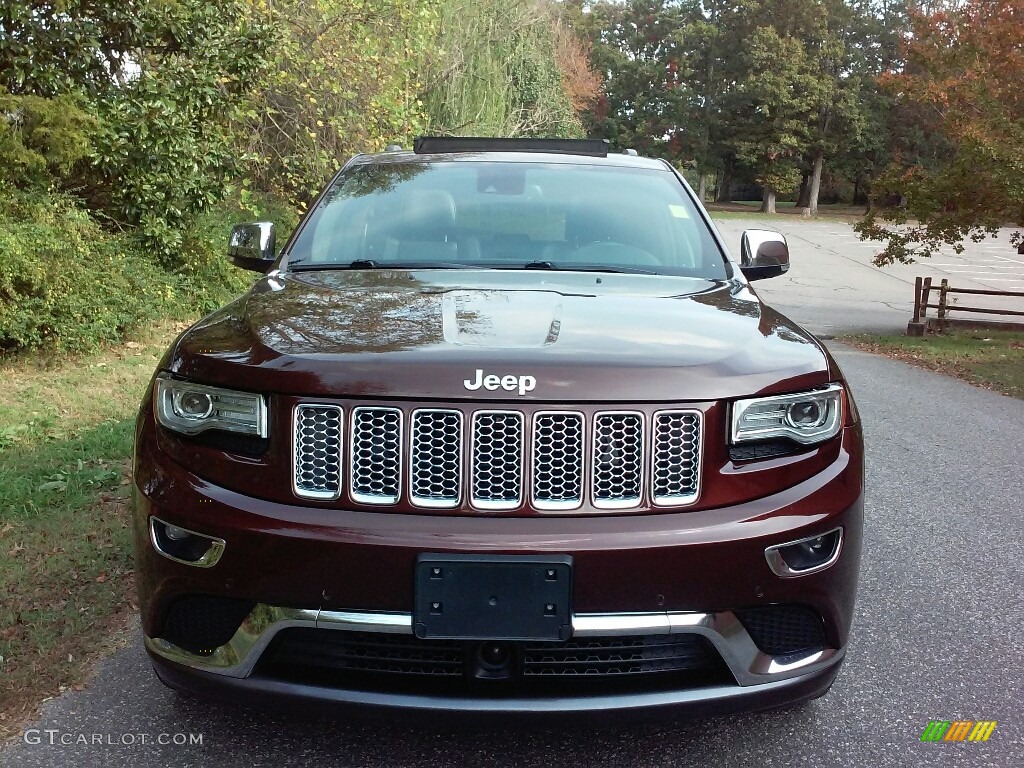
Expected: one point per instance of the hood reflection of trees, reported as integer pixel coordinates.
(351, 312)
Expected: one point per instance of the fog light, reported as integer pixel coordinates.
(810, 555)
(175, 533)
(184, 546)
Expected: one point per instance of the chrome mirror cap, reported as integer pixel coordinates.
(763, 254)
(253, 246)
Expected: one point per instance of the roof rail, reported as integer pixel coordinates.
(424, 145)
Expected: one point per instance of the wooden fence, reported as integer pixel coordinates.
(923, 289)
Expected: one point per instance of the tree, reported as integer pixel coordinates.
(345, 76)
(964, 66)
(497, 71)
(773, 129)
(645, 80)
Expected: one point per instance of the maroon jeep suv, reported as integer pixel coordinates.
(502, 428)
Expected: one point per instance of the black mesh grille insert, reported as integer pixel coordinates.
(396, 662)
(368, 652)
(619, 656)
(202, 623)
(780, 630)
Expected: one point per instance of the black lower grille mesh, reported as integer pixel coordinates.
(619, 656)
(781, 630)
(202, 623)
(383, 660)
(368, 652)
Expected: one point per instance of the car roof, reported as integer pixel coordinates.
(553, 158)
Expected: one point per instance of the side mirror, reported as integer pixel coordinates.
(763, 254)
(253, 246)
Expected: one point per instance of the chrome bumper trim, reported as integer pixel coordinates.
(748, 664)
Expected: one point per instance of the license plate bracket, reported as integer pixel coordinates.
(493, 597)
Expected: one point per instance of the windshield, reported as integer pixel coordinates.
(508, 215)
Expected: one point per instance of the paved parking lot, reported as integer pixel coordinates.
(833, 285)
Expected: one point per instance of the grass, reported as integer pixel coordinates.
(66, 430)
(748, 209)
(990, 359)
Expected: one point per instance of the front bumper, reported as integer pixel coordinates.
(764, 681)
(351, 572)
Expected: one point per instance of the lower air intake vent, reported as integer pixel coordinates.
(781, 630)
(619, 656)
(203, 623)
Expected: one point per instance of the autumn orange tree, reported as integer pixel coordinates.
(962, 78)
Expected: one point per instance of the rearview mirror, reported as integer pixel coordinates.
(763, 254)
(253, 246)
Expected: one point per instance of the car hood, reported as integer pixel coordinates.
(435, 333)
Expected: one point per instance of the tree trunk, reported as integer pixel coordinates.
(803, 200)
(768, 201)
(724, 185)
(856, 190)
(819, 162)
(702, 187)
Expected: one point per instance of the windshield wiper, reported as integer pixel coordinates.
(582, 268)
(301, 266)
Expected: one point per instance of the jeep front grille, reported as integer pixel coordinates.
(497, 463)
(435, 473)
(617, 475)
(676, 451)
(558, 460)
(376, 452)
(317, 451)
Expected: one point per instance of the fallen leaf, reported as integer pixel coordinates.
(15, 550)
(101, 578)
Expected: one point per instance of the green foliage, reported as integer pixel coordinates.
(49, 47)
(647, 83)
(497, 73)
(65, 283)
(42, 137)
(764, 91)
(167, 152)
(778, 94)
(965, 177)
(344, 78)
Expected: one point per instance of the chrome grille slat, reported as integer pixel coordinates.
(376, 455)
(316, 451)
(557, 460)
(676, 457)
(497, 459)
(435, 463)
(618, 460)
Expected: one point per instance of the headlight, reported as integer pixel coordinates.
(193, 408)
(807, 417)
